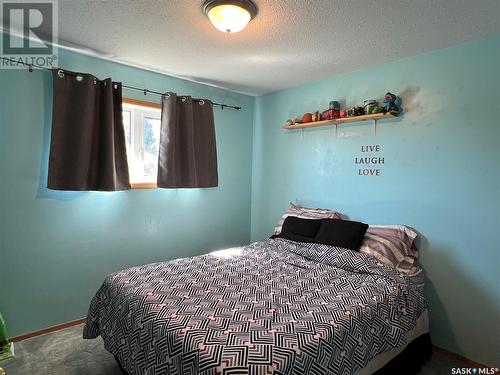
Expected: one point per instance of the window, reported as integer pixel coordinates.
(141, 122)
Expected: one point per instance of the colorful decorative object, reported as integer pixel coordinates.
(356, 111)
(306, 118)
(369, 105)
(343, 113)
(292, 121)
(390, 104)
(332, 112)
(327, 114)
(334, 105)
(316, 116)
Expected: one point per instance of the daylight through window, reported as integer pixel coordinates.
(141, 121)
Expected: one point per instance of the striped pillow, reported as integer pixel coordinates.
(392, 245)
(306, 213)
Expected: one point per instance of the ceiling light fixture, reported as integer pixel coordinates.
(230, 16)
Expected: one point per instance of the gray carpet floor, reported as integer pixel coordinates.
(66, 353)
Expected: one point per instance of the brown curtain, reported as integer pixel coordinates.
(87, 149)
(188, 154)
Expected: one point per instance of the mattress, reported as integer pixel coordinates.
(272, 307)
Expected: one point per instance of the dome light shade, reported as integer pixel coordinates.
(230, 16)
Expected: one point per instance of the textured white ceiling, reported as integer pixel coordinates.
(289, 42)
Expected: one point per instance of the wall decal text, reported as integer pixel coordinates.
(369, 162)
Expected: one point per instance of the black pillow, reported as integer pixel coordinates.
(294, 237)
(301, 227)
(298, 229)
(341, 233)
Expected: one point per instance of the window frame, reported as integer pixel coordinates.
(146, 104)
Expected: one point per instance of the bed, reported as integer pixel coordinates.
(273, 307)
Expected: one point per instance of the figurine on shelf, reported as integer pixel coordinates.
(332, 112)
(369, 105)
(316, 116)
(343, 113)
(356, 111)
(306, 118)
(292, 121)
(390, 104)
(334, 105)
(325, 115)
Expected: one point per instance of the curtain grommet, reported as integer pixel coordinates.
(183, 99)
(79, 78)
(201, 102)
(60, 73)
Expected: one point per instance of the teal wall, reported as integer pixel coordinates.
(441, 175)
(57, 247)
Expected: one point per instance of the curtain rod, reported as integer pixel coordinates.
(145, 91)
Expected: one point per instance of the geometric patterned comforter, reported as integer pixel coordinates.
(273, 307)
